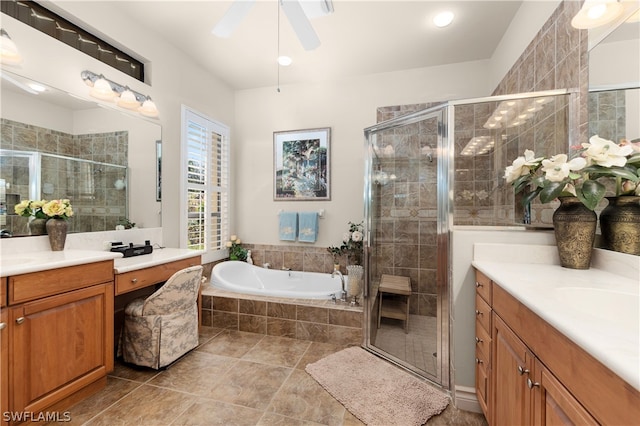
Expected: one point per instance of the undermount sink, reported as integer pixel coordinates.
(610, 305)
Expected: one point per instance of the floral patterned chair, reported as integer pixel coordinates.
(164, 326)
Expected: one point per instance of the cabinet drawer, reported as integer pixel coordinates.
(141, 278)
(482, 381)
(483, 314)
(483, 341)
(3, 292)
(26, 287)
(483, 286)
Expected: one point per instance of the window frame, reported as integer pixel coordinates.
(212, 251)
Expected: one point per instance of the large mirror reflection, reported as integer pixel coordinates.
(57, 146)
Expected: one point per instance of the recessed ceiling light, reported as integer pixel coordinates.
(443, 19)
(285, 61)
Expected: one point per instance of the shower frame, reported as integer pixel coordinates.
(445, 153)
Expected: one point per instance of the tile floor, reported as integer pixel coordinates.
(232, 378)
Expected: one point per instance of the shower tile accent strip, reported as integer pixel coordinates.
(315, 320)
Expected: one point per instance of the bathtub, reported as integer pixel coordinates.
(241, 277)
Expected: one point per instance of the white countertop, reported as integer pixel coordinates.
(596, 309)
(35, 261)
(157, 257)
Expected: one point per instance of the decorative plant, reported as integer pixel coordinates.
(58, 209)
(236, 251)
(352, 244)
(550, 178)
(27, 208)
(126, 223)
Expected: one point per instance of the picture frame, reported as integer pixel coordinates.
(158, 170)
(302, 169)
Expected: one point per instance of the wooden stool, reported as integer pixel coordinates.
(396, 306)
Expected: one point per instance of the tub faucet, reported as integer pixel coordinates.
(266, 265)
(344, 293)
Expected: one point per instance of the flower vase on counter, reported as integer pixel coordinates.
(57, 230)
(575, 230)
(620, 224)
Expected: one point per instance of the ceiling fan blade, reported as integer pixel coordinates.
(232, 18)
(300, 23)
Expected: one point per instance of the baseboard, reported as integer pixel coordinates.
(466, 399)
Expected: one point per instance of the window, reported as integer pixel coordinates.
(205, 171)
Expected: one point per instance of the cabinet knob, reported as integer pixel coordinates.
(479, 361)
(479, 312)
(19, 320)
(3, 325)
(479, 340)
(478, 284)
(522, 371)
(532, 384)
(134, 280)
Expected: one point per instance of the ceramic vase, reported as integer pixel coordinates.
(620, 224)
(57, 230)
(38, 226)
(575, 230)
(355, 274)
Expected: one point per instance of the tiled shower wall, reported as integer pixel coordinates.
(97, 204)
(607, 114)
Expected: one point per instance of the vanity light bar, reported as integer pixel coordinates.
(107, 90)
(515, 113)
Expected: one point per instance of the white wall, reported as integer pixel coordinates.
(348, 107)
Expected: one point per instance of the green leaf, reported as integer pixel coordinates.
(520, 183)
(528, 198)
(551, 191)
(634, 159)
(591, 193)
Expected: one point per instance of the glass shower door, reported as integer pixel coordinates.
(407, 243)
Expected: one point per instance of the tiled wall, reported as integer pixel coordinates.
(97, 204)
(607, 114)
(319, 322)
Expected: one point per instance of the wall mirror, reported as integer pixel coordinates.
(55, 145)
(614, 83)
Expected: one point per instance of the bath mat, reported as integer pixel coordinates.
(375, 391)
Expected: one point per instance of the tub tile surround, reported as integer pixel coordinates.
(303, 319)
(596, 308)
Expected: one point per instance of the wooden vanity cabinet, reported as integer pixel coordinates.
(61, 343)
(4, 351)
(537, 376)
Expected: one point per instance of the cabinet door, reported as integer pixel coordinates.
(4, 364)
(553, 404)
(60, 344)
(510, 366)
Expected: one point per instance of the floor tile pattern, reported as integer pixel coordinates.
(232, 378)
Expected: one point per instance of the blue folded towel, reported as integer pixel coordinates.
(288, 226)
(308, 227)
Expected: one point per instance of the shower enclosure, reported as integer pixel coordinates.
(427, 171)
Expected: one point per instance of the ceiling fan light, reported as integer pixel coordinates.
(595, 13)
(102, 90)
(128, 100)
(285, 61)
(443, 19)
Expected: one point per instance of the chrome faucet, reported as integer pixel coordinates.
(344, 293)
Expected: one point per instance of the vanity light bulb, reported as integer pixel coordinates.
(128, 100)
(9, 53)
(149, 109)
(102, 90)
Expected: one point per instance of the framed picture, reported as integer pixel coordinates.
(158, 170)
(301, 165)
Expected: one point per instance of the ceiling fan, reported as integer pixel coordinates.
(298, 13)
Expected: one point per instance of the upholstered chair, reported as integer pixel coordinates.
(164, 326)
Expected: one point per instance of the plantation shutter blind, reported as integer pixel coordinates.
(207, 183)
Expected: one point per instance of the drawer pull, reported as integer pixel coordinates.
(479, 312)
(134, 280)
(522, 371)
(532, 384)
(479, 284)
(19, 320)
(3, 325)
(479, 340)
(479, 361)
